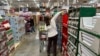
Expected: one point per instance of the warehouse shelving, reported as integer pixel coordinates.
(72, 35)
(88, 33)
(84, 51)
(18, 28)
(6, 38)
(73, 28)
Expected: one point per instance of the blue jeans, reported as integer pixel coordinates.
(59, 42)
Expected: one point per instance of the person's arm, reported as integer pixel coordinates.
(56, 16)
(52, 23)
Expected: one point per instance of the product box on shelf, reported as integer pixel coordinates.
(3, 42)
(3, 45)
(18, 27)
(71, 50)
(96, 23)
(73, 31)
(90, 41)
(10, 45)
(17, 36)
(2, 36)
(70, 53)
(5, 37)
(9, 35)
(4, 52)
(6, 24)
(83, 51)
(90, 23)
(73, 41)
(86, 22)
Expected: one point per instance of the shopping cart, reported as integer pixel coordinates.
(27, 27)
(42, 36)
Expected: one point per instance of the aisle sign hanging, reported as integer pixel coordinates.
(87, 11)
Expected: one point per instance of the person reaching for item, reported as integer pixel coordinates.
(52, 34)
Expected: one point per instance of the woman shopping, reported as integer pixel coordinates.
(52, 34)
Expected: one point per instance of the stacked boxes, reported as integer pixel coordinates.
(10, 41)
(3, 45)
(18, 27)
(6, 39)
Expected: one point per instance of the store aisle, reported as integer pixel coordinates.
(29, 47)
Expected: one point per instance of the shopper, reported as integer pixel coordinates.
(32, 24)
(48, 13)
(52, 34)
(59, 28)
(47, 16)
(27, 26)
(65, 31)
(38, 14)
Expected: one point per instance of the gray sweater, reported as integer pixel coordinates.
(59, 22)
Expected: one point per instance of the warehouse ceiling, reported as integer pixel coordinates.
(35, 3)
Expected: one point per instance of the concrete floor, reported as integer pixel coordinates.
(30, 46)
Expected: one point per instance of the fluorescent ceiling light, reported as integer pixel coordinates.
(49, 0)
(21, 6)
(27, 5)
(63, 0)
(52, 7)
(48, 3)
(93, 1)
(18, 0)
(4, 2)
(36, 3)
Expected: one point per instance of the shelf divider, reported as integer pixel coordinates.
(72, 43)
(89, 32)
(87, 47)
(73, 26)
(72, 35)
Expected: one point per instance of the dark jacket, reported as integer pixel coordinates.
(31, 22)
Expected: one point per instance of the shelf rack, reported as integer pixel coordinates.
(73, 27)
(88, 40)
(88, 37)
(6, 39)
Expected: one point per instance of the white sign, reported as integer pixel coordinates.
(2, 12)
